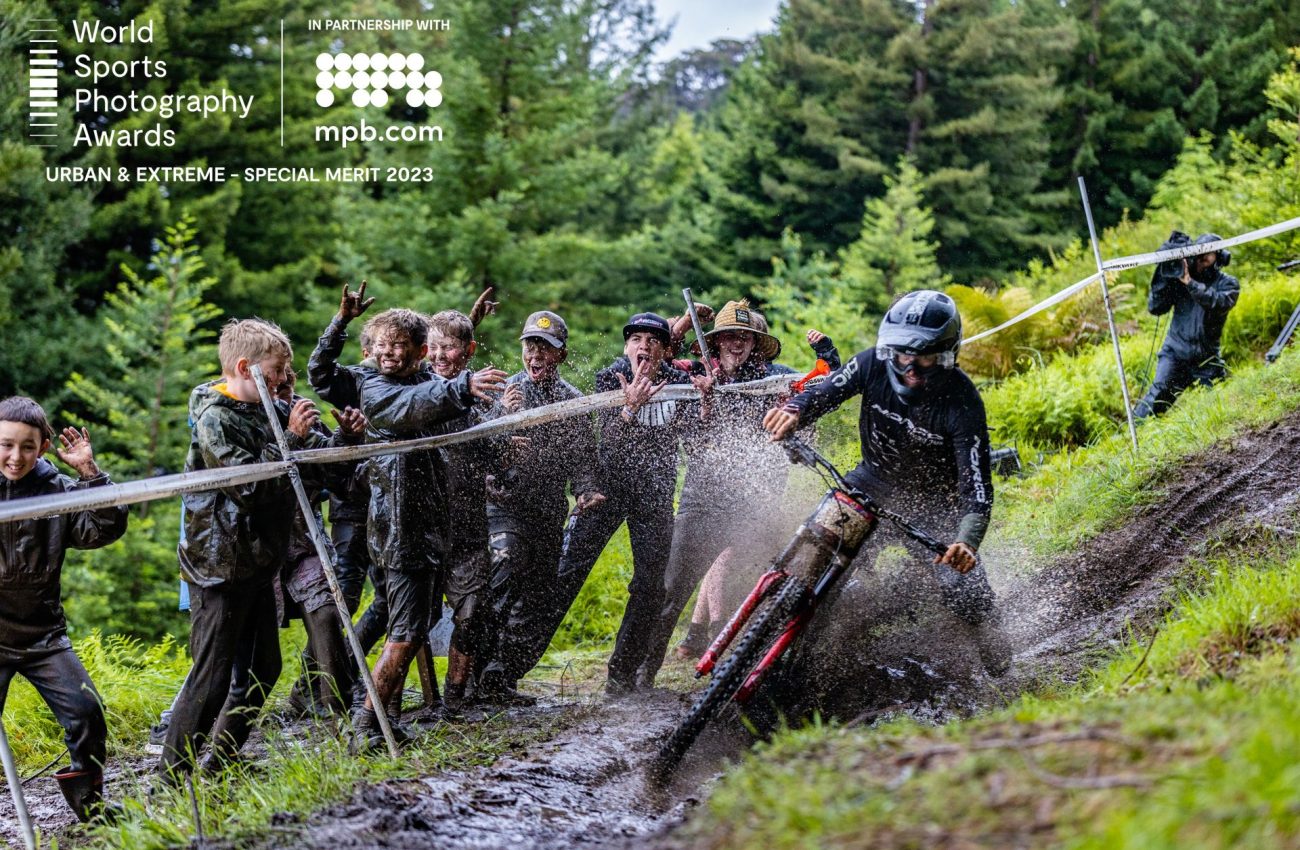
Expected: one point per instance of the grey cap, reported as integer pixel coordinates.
(548, 326)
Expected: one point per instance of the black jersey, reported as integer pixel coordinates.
(926, 459)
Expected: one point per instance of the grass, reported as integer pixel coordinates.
(1199, 748)
(1073, 496)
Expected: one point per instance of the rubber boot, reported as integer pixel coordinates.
(84, 791)
(459, 666)
(493, 689)
(366, 734)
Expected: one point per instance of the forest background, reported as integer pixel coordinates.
(861, 149)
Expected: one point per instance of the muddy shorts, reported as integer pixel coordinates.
(410, 598)
(306, 584)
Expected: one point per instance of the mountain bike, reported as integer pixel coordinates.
(783, 602)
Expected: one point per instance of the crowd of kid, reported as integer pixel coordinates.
(486, 525)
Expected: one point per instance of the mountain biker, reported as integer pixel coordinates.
(925, 448)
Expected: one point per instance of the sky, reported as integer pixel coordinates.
(701, 21)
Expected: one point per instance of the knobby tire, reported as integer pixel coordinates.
(767, 625)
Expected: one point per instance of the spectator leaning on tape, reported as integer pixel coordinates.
(1200, 294)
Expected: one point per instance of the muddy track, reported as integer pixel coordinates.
(584, 787)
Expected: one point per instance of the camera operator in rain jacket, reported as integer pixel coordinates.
(1200, 295)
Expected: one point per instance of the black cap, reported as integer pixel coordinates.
(650, 323)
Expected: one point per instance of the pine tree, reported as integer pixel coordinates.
(983, 89)
(159, 348)
(41, 312)
(894, 253)
(811, 125)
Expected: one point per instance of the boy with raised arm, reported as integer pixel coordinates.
(33, 632)
(408, 528)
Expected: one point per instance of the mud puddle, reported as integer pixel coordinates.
(584, 787)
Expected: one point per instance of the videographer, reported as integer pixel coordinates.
(1200, 294)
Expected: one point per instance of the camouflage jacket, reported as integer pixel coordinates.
(237, 535)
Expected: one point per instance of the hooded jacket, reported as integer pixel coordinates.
(236, 535)
(31, 561)
(408, 529)
(1200, 310)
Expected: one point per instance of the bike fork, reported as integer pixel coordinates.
(737, 621)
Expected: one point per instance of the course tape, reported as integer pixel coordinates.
(167, 486)
(1137, 260)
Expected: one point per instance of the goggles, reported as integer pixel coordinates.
(903, 360)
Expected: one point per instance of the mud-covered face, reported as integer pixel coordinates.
(448, 355)
(21, 445)
(541, 359)
(644, 347)
(396, 354)
(734, 348)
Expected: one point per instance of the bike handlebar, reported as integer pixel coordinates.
(802, 453)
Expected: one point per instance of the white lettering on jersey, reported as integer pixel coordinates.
(981, 495)
(843, 376)
(916, 432)
(656, 413)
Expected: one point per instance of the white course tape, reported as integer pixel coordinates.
(1137, 260)
(167, 486)
(1193, 250)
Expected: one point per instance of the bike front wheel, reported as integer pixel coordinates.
(767, 625)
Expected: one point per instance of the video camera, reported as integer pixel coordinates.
(1174, 268)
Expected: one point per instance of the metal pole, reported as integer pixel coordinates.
(326, 560)
(16, 790)
(699, 332)
(1110, 313)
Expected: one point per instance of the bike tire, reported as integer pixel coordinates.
(767, 625)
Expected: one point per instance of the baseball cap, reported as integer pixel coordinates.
(548, 326)
(650, 323)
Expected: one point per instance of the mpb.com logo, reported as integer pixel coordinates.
(366, 79)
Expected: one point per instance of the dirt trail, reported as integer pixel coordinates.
(585, 787)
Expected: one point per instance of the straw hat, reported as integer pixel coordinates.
(739, 316)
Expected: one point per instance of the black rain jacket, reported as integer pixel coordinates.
(408, 529)
(639, 458)
(1200, 310)
(31, 561)
(559, 453)
(237, 535)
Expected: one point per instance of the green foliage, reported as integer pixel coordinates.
(1073, 495)
(893, 254)
(159, 348)
(593, 619)
(129, 587)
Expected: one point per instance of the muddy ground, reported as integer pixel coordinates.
(584, 787)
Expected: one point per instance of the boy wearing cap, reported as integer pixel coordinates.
(638, 463)
(527, 508)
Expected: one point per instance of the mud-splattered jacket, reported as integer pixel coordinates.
(926, 460)
(341, 387)
(468, 466)
(559, 454)
(639, 458)
(31, 561)
(408, 527)
(236, 535)
(1200, 310)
